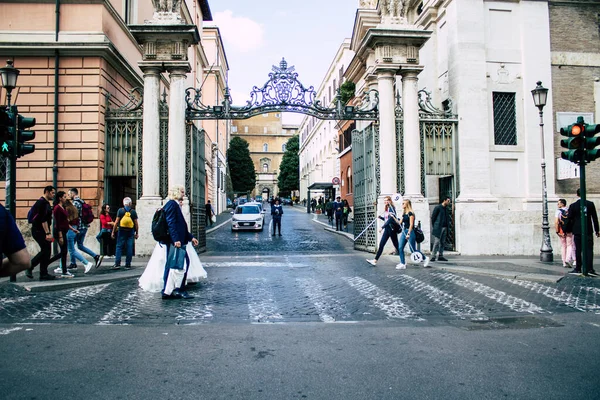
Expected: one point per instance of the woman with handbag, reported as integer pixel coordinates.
(408, 235)
(104, 236)
(389, 228)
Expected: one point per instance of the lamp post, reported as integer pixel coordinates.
(9, 75)
(540, 95)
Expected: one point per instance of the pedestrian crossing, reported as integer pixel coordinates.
(407, 297)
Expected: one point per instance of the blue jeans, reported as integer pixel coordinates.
(79, 240)
(75, 255)
(124, 238)
(413, 245)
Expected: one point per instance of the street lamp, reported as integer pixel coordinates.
(9, 75)
(540, 95)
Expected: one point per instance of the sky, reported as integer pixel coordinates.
(258, 33)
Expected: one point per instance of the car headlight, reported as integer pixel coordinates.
(258, 219)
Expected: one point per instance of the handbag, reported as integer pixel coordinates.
(213, 219)
(176, 257)
(419, 235)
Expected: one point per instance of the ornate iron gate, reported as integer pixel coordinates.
(366, 169)
(195, 172)
(438, 130)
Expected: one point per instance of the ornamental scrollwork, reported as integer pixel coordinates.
(281, 93)
(429, 111)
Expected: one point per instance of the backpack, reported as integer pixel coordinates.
(87, 215)
(31, 214)
(126, 221)
(562, 222)
(160, 229)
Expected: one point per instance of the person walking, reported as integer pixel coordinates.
(339, 213)
(346, 210)
(105, 236)
(389, 228)
(407, 235)
(61, 228)
(12, 246)
(313, 205)
(179, 236)
(126, 224)
(567, 250)
(574, 222)
(276, 213)
(440, 222)
(40, 217)
(209, 213)
(330, 211)
(83, 211)
(74, 223)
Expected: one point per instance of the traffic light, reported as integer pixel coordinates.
(7, 131)
(591, 142)
(575, 142)
(24, 148)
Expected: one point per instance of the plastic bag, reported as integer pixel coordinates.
(176, 258)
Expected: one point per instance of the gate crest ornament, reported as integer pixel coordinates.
(283, 92)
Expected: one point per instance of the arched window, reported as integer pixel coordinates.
(283, 147)
(265, 167)
(265, 147)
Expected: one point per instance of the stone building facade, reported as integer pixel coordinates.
(267, 138)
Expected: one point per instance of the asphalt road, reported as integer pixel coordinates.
(304, 316)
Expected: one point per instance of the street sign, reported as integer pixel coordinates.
(335, 181)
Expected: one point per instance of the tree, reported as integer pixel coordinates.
(289, 169)
(241, 167)
(347, 91)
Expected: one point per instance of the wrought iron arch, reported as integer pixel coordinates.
(283, 92)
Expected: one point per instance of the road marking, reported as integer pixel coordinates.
(66, 305)
(261, 306)
(257, 264)
(127, 308)
(568, 299)
(453, 304)
(196, 312)
(322, 302)
(9, 330)
(391, 305)
(512, 302)
(6, 302)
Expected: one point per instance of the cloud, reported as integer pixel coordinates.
(241, 33)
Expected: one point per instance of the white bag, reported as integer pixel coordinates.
(213, 218)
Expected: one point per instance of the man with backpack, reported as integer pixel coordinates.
(86, 216)
(128, 229)
(566, 238)
(40, 218)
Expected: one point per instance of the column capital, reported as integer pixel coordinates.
(151, 68)
(411, 73)
(178, 68)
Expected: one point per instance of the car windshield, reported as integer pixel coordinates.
(247, 210)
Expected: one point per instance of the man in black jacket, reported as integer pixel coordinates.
(439, 228)
(574, 222)
(41, 220)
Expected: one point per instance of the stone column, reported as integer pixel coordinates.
(177, 132)
(412, 142)
(150, 199)
(387, 132)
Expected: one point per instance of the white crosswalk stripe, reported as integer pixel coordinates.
(448, 301)
(569, 299)
(391, 305)
(512, 302)
(65, 306)
(128, 308)
(8, 302)
(261, 303)
(196, 312)
(325, 304)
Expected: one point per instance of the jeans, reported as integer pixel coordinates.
(124, 238)
(63, 252)
(387, 234)
(108, 243)
(75, 255)
(412, 247)
(438, 243)
(338, 222)
(276, 224)
(43, 257)
(80, 237)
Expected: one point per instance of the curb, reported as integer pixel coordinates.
(504, 274)
(70, 283)
(329, 229)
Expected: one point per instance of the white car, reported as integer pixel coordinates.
(260, 206)
(247, 216)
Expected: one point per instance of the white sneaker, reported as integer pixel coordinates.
(58, 270)
(88, 267)
(372, 262)
(67, 275)
(426, 262)
(400, 266)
